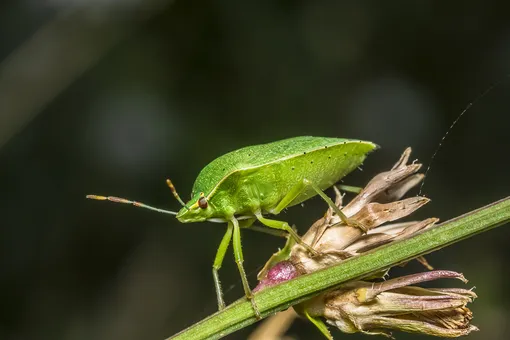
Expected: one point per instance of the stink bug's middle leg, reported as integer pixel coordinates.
(238, 255)
(281, 225)
(300, 188)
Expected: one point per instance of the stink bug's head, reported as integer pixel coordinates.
(198, 209)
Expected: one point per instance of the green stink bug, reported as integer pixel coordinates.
(242, 186)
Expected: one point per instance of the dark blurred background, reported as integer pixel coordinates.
(114, 96)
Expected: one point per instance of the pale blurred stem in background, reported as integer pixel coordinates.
(60, 52)
(280, 297)
(274, 327)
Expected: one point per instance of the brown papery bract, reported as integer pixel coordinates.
(373, 306)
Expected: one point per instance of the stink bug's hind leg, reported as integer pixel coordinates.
(321, 326)
(269, 231)
(301, 187)
(238, 255)
(218, 260)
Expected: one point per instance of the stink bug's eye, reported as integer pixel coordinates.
(202, 202)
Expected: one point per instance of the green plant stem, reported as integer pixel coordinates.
(271, 300)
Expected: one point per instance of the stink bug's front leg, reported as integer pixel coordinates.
(218, 260)
(300, 188)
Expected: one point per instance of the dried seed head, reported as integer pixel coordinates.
(378, 308)
(374, 207)
(363, 306)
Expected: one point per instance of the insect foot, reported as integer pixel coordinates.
(353, 223)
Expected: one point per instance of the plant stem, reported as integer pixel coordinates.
(271, 300)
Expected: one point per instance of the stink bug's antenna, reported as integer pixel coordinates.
(125, 201)
(466, 109)
(174, 192)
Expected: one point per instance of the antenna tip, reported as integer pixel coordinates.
(96, 197)
(170, 184)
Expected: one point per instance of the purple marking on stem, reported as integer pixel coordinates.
(280, 272)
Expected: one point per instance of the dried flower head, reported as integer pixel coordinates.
(377, 308)
(374, 206)
(363, 306)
